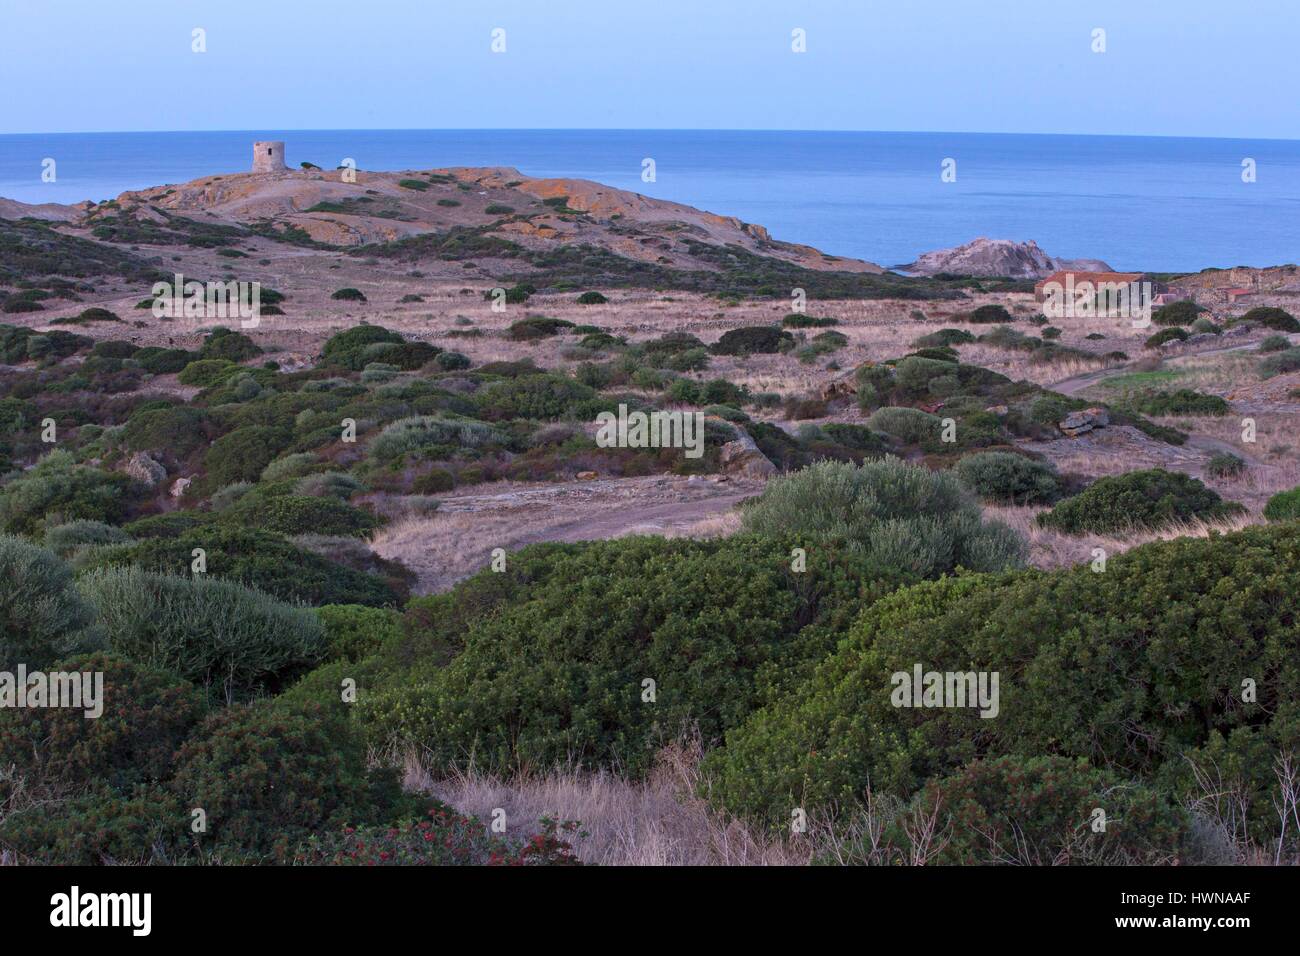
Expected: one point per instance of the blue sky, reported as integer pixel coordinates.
(1171, 67)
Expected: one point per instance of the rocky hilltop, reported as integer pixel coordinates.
(997, 257)
(491, 203)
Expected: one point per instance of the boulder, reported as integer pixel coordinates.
(742, 457)
(1083, 421)
(144, 469)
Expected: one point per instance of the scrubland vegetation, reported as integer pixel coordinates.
(197, 526)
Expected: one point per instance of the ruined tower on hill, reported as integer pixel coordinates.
(268, 156)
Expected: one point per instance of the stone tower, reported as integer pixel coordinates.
(268, 156)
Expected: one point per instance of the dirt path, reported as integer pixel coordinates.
(458, 539)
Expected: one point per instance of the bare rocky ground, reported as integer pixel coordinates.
(453, 313)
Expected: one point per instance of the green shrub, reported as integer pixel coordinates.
(452, 361)
(1130, 668)
(592, 298)
(1007, 478)
(1224, 465)
(1270, 317)
(204, 373)
(233, 640)
(349, 294)
(161, 361)
(537, 397)
(178, 430)
(1177, 313)
(223, 343)
(254, 557)
(1174, 334)
(1280, 363)
(1182, 401)
(556, 651)
(65, 539)
(989, 315)
(335, 484)
(268, 777)
(243, 454)
(301, 514)
(498, 209)
(1148, 499)
(407, 435)
(58, 490)
(799, 320)
(347, 348)
(1274, 343)
(1283, 506)
(42, 617)
(145, 715)
(353, 631)
(754, 340)
(1040, 811)
(904, 518)
(537, 327)
(944, 338)
(290, 466)
(146, 825)
(908, 425)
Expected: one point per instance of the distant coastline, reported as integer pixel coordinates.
(1150, 203)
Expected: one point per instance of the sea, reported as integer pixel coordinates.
(1158, 204)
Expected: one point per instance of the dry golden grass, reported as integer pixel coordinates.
(656, 822)
(1049, 548)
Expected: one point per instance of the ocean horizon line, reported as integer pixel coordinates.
(652, 129)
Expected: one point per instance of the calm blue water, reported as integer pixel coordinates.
(1159, 204)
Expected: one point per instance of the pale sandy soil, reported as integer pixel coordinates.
(458, 539)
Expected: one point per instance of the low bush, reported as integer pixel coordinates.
(353, 631)
(223, 343)
(348, 295)
(254, 557)
(58, 490)
(799, 320)
(1182, 401)
(1184, 312)
(1134, 669)
(944, 338)
(42, 615)
(1280, 363)
(424, 432)
(66, 539)
(243, 454)
(753, 340)
(301, 514)
(989, 315)
(1148, 499)
(1165, 336)
(145, 715)
(1041, 810)
(592, 298)
(1007, 478)
(540, 398)
(537, 327)
(1270, 317)
(1283, 506)
(902, 517)
(269, 777)
(233, 640)
(910, 426)
(601, 652)
(1274, 343)
(205, 373)
(1224, 465)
